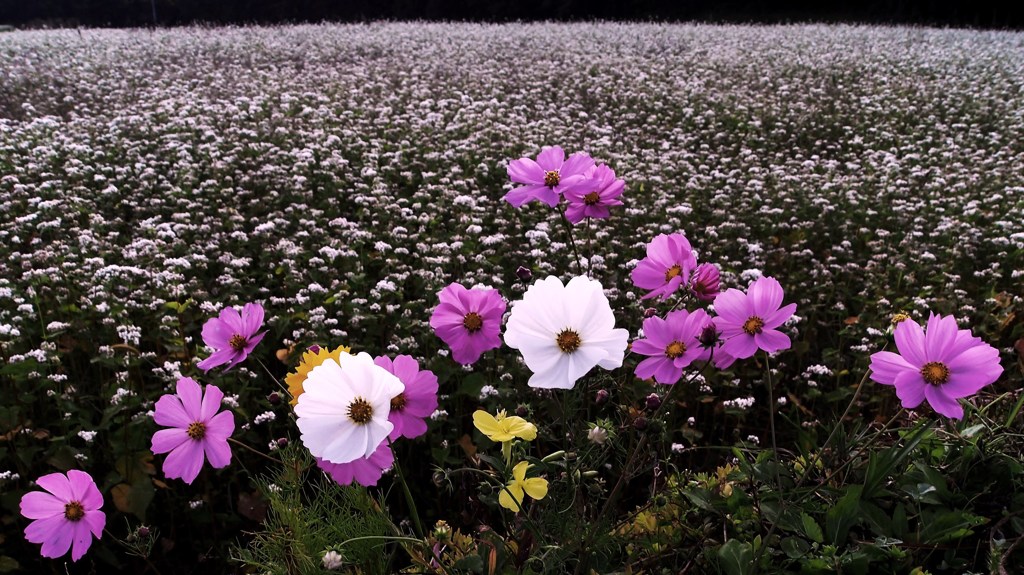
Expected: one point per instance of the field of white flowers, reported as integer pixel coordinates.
(343, 175)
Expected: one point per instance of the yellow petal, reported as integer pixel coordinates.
(521, 428)
(489, 426)
(505, 498)
(535, 487)
(519, 471)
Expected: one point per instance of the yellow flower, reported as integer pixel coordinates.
(310, 359)
(512, 495)
(503, 428)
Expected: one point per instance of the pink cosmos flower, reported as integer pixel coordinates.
(668, 265)
(592, 196)
(364, 471)
(69, 513)
(197, 431)
(673, 344)
(469, 321)
(411, 408)
(232, 335)
(705, 283)
(546, 178)
(942, 365)
(748, 321)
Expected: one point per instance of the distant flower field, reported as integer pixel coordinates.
(231, 205)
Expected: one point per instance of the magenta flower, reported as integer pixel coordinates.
(197, 431)
(69, 513)
(232, 335)
(668, 265)
(673, 344)
(592, 196)
(411, 408)
(748, 320)
(469, 321)
(942, 365)
(365, 471)
(705, 282)
(546, 178)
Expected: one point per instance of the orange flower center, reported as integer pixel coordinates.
(551, 178)
(197, 430)
(398, 402)
(74, 511)
(568, 341)
(673, 271)
(675, 349)
(753, 325)
(360, 411)
(472, 322)
(237, 342)
(935, 373)
(900, 317)
(591, 199)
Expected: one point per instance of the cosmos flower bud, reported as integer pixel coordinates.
(640, 423)
(274, 398)
(601, 397)
(524, 274)
(650, 312)
(653, 402)
(708, 335)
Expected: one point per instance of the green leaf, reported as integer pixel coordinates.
(8, 564)
(794, 547)
(811, 528)
(736, 558)
(843, 515)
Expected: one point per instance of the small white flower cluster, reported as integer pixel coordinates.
(743, 403)
(264, 417)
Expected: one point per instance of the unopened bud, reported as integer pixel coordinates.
(601, 397)
(274, 398)
(524, 274)
(640, 423)
(314, 348)
(650, 312)
(653, 402)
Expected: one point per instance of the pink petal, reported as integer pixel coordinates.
(731, 305)
(940, 336)
(218, 452)
(58, 540)
(45, 529)
(84, 489)
(221, 426)
(211, 402)
(39, 505)
(886, 365)
(219, 357)
(910, 388)
(525, 171)
(576, 164)
(191, 395)
(942, 403)
(97, 520)
(233, 319)
(169, 412)
(766, 295)
(252, 318)
(551, 158)
(217, 333)
(740, 347)
(777, 318)
(910, 342)
(168, 439)
(185, 461)
(523, 194)
(82, 538)
(772, 340)
(58, 485)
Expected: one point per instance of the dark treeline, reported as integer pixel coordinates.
(40, 13)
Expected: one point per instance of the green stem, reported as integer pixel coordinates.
(572, 239)
(254, 450)
(408, 495)
(278, 382)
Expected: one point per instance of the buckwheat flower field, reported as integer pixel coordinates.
(412, 262)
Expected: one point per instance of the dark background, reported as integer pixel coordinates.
(43, 13)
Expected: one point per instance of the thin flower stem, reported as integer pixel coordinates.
(771, 424)
(626, 470)
(256, 451)
(572, 239)
(278, 382)
(408, 494)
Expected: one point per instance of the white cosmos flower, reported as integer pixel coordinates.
(342, 413)
(564, 331)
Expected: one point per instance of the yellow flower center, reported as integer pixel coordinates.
(398, 402)
(900, 317)
(472, 322)
(360, 411)
(568, 341)
(551, 178)
(237, 342)
(673, 271)
(196, 430)
(935, 373)
(753, 325)
(74, 511)
(591, 199)
(675, 349)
